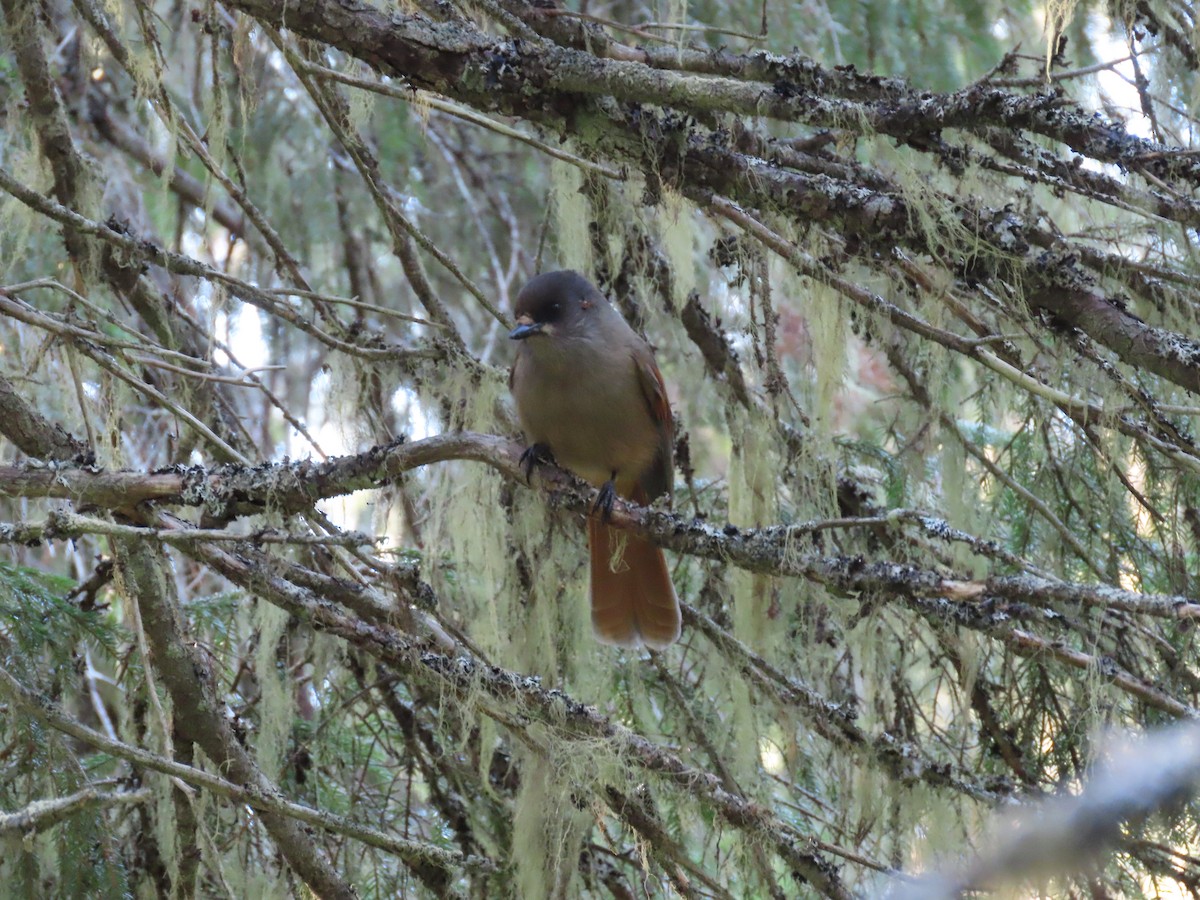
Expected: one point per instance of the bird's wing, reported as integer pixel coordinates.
(659, 478)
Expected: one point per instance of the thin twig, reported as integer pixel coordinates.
(43, 710)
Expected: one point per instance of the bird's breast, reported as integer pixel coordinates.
(588, 407)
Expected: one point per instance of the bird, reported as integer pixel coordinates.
(590, 398)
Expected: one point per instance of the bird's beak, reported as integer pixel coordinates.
(526, 327)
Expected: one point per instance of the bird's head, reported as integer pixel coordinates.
(554, 305)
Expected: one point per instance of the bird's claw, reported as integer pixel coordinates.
(535, 455)
(604, 500)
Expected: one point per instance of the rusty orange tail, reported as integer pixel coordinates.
(633, 600)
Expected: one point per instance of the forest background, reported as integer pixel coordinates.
(281, 616)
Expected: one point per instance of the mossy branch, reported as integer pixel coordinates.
(38, 706)
(771, 550)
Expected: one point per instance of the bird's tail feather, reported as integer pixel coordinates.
(633, 600)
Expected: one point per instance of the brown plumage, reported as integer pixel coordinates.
(589, 393)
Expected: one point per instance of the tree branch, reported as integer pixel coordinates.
(266, 800)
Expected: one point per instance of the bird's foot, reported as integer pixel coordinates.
(604, 500)
(535, 455)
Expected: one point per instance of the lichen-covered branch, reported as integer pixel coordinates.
(521, 696)
(43, 814)
(255, 796)
(928, 340)
(547, 84)
(769, 550)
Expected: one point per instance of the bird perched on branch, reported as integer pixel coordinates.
(591, 398)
